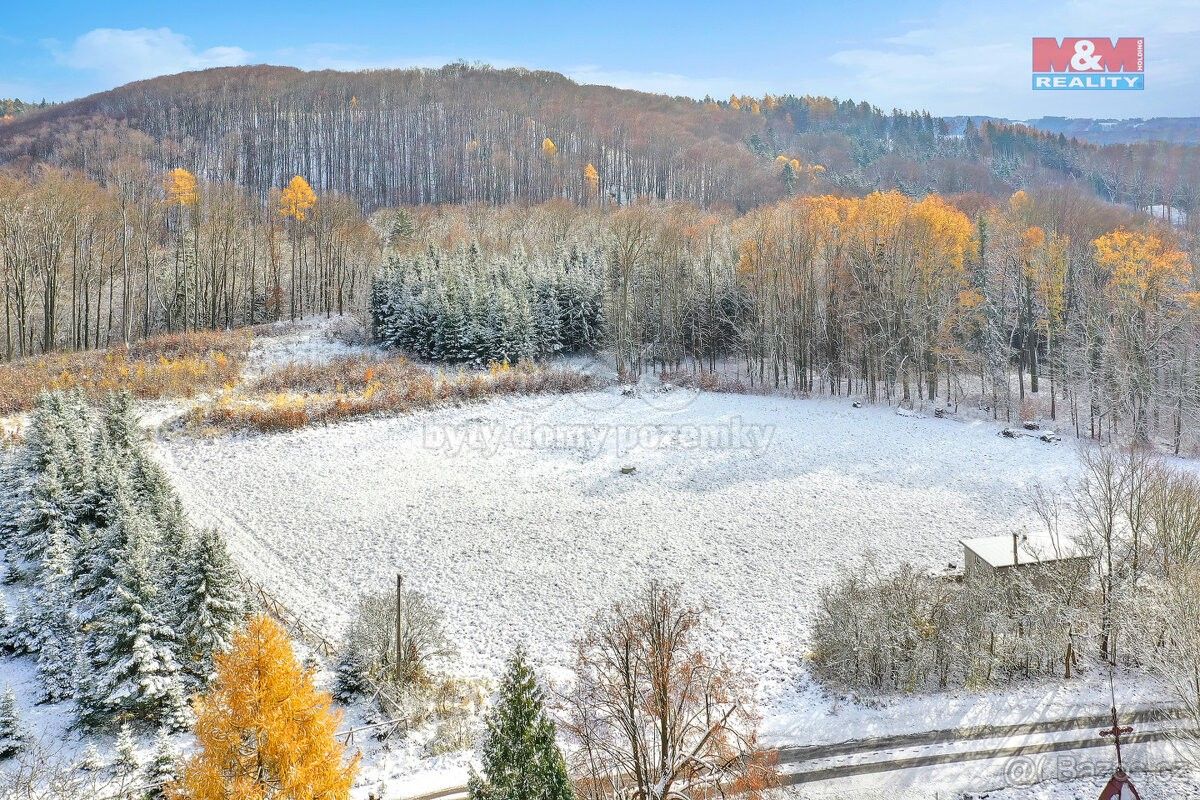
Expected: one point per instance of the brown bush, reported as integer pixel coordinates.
(708, 381)
(173, 365)
(297, 395)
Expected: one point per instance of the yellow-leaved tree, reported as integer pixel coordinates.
(549, 148)
(294, 202)
(182, 199)
(1150, 295)
(591, 177)
(263, 730)
(296, 199)
(180, 186)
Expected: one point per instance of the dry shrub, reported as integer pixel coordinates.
(297, 395)
(173, 365)
(279, 413)
(707, 381)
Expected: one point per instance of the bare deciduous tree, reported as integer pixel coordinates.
(653, 715)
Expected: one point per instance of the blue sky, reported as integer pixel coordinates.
(947, 57)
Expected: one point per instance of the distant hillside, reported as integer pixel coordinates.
(1171, 130)
(10, 108)
(475, 134)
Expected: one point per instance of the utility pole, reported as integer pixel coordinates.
(399, 622)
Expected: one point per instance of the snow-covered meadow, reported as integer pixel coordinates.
(518, 517)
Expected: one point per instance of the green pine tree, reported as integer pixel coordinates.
(209, 603)
(521, 760)
(163, 767)
(129, 667)
(352, 674)
(12, 734)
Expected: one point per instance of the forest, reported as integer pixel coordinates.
(803, 243)
(470, 133)
(882, 297)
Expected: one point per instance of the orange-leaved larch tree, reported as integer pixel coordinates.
(181, 192)
(294, 203)
(296, 199)
(263, 730)
(591, 178)
(180, 188)
(1150, 293)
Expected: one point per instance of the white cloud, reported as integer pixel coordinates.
(975, 59)
(119, 56)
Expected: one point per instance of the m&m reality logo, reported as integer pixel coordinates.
(1095, 62)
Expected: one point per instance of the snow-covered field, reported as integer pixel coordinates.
(521, 517)
(515, 516)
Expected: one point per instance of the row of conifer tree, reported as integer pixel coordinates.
(458, 307)
(120, 600)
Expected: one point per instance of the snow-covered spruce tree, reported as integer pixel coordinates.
(21, 469)
(127, 653)
(351, 675)
(12, 734)
(81, 429)
(12, 487)
(163, 768)
(521, 760)
(126, 442)
(91, 761)
(96, 556)
(57, 650)
(208, 603)
(41, 501)
(126, 763)
(547, 320)
(22, 634)
(48, 515)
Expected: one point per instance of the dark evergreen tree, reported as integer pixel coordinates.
(521, 760)
(12, 733)
(129, 669)
(163, 767)
(22, 635)
(351, 674)
(57, 649)
(208, 603)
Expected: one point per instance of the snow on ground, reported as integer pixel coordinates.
(52, 735)
(515, 516)
(309, 340)
(1067, 776)
(1080, 770)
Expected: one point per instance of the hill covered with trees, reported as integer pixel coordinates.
(467, 133)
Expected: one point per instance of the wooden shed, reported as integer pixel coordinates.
(995, 555)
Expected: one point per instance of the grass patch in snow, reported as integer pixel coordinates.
(171, 365)
(297, 395)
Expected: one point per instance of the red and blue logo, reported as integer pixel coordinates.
(1084, 63)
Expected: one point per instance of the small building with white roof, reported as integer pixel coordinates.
(995, 555)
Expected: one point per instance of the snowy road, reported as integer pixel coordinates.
(1023, 755)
